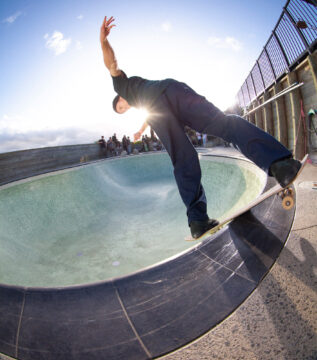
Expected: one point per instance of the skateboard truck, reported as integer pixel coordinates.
(287, 196)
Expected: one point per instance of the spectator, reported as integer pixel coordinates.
(144, 143)
(147, 140)
(118, 148)
(110, 147)
(114, 139)
(124, 144)
(153, 137)
(103, 146)
(199, 139)
(204, 140)
(129, 146)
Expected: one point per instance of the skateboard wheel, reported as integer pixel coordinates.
(288, 202)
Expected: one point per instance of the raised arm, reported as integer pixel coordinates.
(108, 53)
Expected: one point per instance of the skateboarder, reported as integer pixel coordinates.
(172, 105)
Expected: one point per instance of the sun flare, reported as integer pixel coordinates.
(136, 117)
(139, 115)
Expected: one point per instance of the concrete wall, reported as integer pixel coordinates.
(18, 165)
(282, 117)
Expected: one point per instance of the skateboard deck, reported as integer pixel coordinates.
(286, 195)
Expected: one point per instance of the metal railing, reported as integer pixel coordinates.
(294, 36)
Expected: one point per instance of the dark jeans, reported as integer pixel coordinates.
(180, 105)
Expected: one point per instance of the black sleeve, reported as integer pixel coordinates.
(120, 84)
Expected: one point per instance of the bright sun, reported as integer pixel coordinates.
(136, 117)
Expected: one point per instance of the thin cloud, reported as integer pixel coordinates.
(13, 141)
(17, 133)
(225, 43)
(11, 19)
(57, 43)
(79, 46)
(8, 124)
(166, 26)
(80, 17)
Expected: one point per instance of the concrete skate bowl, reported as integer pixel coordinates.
(93, 262)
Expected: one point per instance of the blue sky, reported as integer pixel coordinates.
(55, 89)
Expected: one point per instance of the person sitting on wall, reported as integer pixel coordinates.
(172, 105)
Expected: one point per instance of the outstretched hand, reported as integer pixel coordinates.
(105, 28)
(137, 136)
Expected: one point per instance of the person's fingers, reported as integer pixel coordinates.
(108, 22)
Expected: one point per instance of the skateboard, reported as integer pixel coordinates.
(286, 194)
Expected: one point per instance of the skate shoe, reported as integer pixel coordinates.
(198, 228)
(285, 170)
